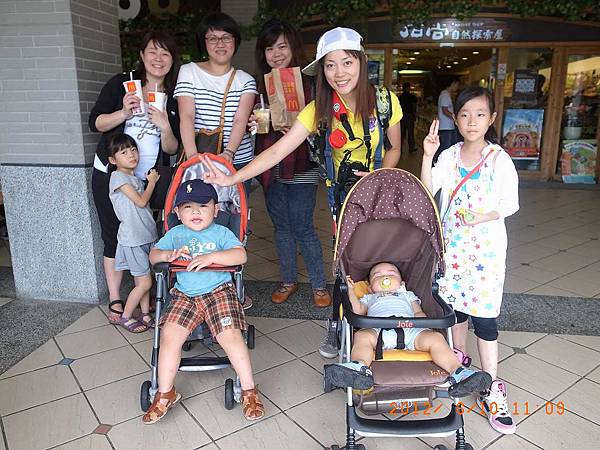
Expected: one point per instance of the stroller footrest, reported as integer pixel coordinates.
(407, 373)
(203, 363)
(380, 427)
(387, 399)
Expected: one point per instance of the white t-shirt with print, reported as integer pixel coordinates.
(147, 138)
(207, 91)
(444, 99)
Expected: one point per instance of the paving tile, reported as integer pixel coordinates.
(591, 230)
(530, 252)
(478, 433)
(54, 423)
(300, 339)
(44, 356)
(115, 365)
(568, 355)
(534, 375)
(119, 401)
(33, 388)
(324, 417)
(290, 384)
(563, 262)
(5, 300)
(316, 361)
(519, 339)
(189, 384)
(551, 291)
(269, 253)
(176, 431)
(267, 325)
(91, 442)
(96, 340)
(592, 342)
(563, 241)
(276, 433)
(591, 249)
(580, 287)
(582, 399)
(93, 319)
(560, 432)
(209, 410)
(134, 338)
(514, 284)
(594, 375)
(262, 270)
(534, 274)
(512, 442)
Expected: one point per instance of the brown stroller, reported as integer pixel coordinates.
(390, 216)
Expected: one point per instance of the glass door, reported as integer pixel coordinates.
(578, 161)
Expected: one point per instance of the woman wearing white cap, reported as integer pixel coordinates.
(345, 109)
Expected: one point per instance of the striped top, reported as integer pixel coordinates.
(207, 91)
(311, 176)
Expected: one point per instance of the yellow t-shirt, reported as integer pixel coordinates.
(359, 150)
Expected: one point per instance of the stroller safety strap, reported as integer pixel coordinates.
(381, 340)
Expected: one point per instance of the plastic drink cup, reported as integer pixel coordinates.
(136, 86)
(263, 119)
(157, 99)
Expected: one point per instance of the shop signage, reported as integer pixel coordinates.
(452, 30)
(578, 161)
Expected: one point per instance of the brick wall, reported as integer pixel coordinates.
(54, 57)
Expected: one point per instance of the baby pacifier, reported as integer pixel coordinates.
(385, 283)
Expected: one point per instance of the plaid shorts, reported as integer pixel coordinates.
(220, 309)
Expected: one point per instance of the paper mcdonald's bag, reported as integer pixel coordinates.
(286, 96)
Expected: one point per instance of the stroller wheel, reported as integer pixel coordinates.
(440, 447)
(467, 446)
(229, 400)
(360, 447)
(334, 447)
(145, 400)
(250, 337)
(187, 346)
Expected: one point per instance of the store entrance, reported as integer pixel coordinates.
(429, 71)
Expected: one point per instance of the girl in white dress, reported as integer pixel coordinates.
(479, 188)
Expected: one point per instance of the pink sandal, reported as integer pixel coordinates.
(462, 357)
(132, 325)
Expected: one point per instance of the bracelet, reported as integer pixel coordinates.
(228, 150)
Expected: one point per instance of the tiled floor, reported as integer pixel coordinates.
(80, 390)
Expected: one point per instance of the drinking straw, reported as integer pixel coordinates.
(131, 76)
(155, 87)
(262, 102)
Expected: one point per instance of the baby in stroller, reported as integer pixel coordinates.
(388, 297)
(201, 296)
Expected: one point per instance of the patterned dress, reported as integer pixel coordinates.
(475, 255)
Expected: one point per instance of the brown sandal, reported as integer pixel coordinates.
(252, 406)
(158, 409)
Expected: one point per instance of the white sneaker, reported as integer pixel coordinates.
(495, 405)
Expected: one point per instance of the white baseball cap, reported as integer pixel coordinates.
(336, 39)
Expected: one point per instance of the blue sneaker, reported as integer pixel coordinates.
(351, 374)
(466, 381)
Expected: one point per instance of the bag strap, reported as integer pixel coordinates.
(464, 180)
(224, 102)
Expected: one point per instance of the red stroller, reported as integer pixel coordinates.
(233, 213)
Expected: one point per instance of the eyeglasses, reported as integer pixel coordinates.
(225, 39)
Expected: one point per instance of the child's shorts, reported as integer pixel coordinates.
(134, 259)
(220, 309)
(390, 337)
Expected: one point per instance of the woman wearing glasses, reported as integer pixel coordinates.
(200, 93)
(201, 87)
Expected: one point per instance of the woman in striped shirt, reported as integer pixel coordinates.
(201, 87)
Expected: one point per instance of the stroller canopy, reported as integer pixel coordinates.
(390, 216)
